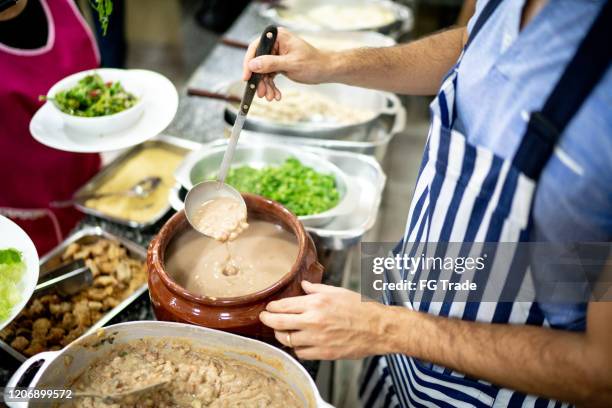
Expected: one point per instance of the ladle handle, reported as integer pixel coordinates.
(266, 44)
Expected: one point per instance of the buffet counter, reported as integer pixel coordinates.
(200, 122)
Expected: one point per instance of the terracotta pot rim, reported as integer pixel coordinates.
(158, 257)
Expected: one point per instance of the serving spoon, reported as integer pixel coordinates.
(141, 189)
(204, 93)
(109, 398)
(213, 189)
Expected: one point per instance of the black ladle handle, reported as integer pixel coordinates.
(266, 44)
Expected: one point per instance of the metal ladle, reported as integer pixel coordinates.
(210, 190)
(207, 191)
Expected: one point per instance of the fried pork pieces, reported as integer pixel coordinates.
(50, 322)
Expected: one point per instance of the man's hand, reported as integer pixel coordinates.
(416, 68)
(333, 323)
(292, 56)
(328, 323)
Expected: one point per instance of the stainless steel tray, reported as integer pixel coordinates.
(403, 23)
(371, 139)
(356, 38)
(182, 146)
(375, 145)
(53, 259)
(180, 142)
(343, 231)
(380, 104)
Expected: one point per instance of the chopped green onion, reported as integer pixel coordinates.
(300, 188)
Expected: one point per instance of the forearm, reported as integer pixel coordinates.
(534, 360)
(416, 68)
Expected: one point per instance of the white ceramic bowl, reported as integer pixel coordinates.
(12, 236)
(102, 125)
(204, 164)
(59, 368)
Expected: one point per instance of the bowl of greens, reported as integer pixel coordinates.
(18, 270)
(100, 101)
(308, 185)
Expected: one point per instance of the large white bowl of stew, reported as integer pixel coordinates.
(86, 366)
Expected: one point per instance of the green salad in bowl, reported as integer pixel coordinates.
(98, 102)
(93, 97)
(12, 269)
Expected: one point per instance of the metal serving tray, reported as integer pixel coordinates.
(181, 146)
(403, 23)
(371, 139)
(374, 146)
(380, 105)
(343, 231)
(53, 259)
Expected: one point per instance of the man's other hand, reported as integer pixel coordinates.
(291, 56)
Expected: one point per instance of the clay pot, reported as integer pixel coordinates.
(239, 315)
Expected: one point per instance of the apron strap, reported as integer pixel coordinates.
(482, 19)
(580, 77)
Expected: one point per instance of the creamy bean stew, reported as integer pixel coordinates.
(196, 378)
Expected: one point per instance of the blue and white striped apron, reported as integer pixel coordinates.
(465, 193)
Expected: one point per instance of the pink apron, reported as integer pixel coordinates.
(33, 175)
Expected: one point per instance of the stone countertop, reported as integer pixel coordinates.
(201, 119)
